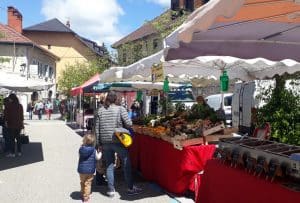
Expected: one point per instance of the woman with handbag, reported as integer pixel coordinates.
(13, 117)
(107, 120)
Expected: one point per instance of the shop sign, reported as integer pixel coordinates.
(154, 92)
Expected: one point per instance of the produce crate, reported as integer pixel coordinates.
(179, 144)
(215, 138)
(214, 129)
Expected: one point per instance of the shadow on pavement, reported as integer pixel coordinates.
(81, 132)
(75, 195)
(31, 153)
(149, 189)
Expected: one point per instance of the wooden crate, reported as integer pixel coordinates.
(215, 138)
(179, 144)
(214, 129)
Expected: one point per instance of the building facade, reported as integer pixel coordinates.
(148, 39)
(24, 65)
(64, 43)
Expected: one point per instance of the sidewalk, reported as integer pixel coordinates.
(46, 172)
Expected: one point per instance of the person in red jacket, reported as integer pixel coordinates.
(14, 121)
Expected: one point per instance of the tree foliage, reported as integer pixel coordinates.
(283, 112)
(76, 74)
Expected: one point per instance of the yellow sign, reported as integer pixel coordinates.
(157, 73)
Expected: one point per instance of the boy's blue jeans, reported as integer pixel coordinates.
(109, 157)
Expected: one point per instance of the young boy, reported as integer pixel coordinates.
(87, 165)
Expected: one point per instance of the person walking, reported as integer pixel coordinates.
(30, 108)
(14, 121)
(107, 119)
(49, 109)
(87, 165)
(39, 108)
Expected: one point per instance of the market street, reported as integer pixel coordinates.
(47, 170)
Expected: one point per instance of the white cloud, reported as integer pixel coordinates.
(94, 19)
(164, 3)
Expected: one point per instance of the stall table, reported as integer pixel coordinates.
(222, 183)
(174, 170)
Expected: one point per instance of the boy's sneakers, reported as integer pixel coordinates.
(111, 193)
(134, 191)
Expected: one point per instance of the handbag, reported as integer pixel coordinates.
(24, 138)
(123, 136)
(121, 133)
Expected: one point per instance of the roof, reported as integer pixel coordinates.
(272, 10)
(143, 31)
(54, 25)
(9, 35)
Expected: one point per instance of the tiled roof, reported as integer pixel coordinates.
(272, 10)
(53, 25)
(145, 30)
(8, 34)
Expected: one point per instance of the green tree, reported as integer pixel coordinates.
(283, 112)
(76, 74)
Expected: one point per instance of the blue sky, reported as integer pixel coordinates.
(100, 20)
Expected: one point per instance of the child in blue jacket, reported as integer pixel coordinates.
(87, 165)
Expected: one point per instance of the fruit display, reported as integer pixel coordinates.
(192, 125)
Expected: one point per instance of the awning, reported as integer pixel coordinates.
(210, 67)
(18, 83)
(270, 40)
(79, 90)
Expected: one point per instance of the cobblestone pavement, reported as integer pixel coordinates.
(46, 171)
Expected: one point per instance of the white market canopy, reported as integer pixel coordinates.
(211, 67)
(17, 83)
(249, 43)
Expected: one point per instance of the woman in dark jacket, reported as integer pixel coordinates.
(87, 165)
(14, 121)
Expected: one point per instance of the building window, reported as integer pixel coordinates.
(49, 46)
(45, 71)
(124, 59)
(50, 72)
(155, 43)
(40, 70)
(189, 5)
(174, 5)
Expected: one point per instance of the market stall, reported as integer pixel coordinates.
(222, 183)
(174, 170)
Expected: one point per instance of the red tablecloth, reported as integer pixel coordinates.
(172, 169)
(221, 183)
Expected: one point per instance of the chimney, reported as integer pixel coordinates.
(68, 24)
(14, 18)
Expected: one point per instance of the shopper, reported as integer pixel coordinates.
(107, 119)
(30, 108)
(87, 165)
(49, 109)
(39, 108)
(13, 118)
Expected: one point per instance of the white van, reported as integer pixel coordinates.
(244, 99)
(214, 101)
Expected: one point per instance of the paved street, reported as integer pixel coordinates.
(46, 172)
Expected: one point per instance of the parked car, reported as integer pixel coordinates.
(185, 97)
(215, 101)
